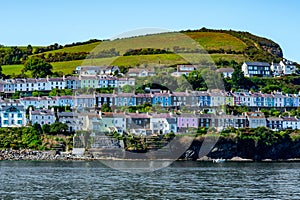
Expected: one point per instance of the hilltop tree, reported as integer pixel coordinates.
(38, 67)
(238, 79)
(1, 74)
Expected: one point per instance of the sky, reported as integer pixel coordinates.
(39, 22)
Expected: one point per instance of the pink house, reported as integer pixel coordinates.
(187, 121)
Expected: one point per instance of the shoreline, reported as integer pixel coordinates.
(37, 155)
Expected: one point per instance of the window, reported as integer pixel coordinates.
(19, 121)
(19, 115)
(6, 122)
(5, 115)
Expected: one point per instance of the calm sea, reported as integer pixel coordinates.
(181, 180)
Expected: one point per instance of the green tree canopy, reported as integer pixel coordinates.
(106, 108)
(58, 128)
(38, 67)
(127, 88)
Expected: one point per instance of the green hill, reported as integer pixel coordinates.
(221, 45)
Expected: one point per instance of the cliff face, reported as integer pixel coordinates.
(275, 50)
(227, 148)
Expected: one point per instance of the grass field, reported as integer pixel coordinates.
(12, 69)
(212, 40)
(74, 49)
(190, 40)
(149, 60)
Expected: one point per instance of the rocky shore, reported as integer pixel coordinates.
(38, 155)
(34, 155)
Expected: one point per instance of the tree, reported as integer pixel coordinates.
(127, 88)
(53, 92)
(46, 128)
(35, 93)
(271, 88)
(238, 79)
(38, 128)
(1, 74)
(106, 108)
(38, 67)
(58, 128)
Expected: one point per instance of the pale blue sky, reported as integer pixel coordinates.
(40, 22)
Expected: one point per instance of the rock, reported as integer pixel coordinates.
(239, 159)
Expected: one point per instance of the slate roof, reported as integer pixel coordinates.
(262, 64)
(225, 69)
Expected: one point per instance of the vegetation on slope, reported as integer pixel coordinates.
(225, 44)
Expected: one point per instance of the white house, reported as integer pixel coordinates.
(136, 72)
(261, 69)
(291, 123)
(276, 69)
(82, 101)
(256, 119)
(227, 72)
(163, 123)
(183, 70)
(278, 99)
(39, 102)
(71, 119)
(218, 98)
(125, 81)
(42, 116)
(288, 67)
(96, 70)
(113, 122)
(12, 115)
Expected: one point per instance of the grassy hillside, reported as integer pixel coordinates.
(212, 40)
(75, 49)
(220, 44)
(209, 41)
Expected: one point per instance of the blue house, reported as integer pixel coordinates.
(65, 101)
(204, 99)
(289, 100)
(125, 99)
(163, 99)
